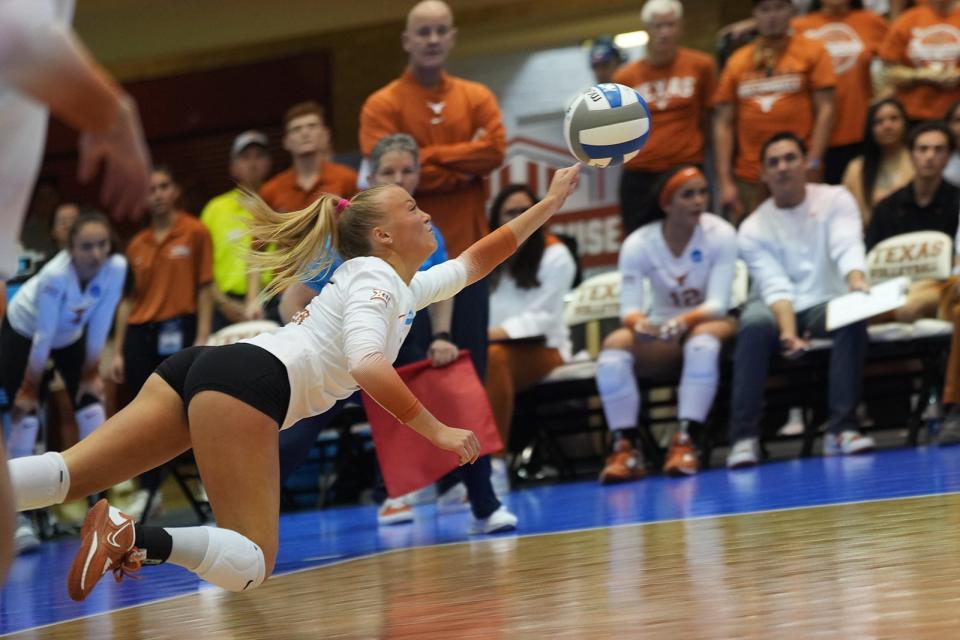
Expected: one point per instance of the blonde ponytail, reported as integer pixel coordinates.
(301, 242)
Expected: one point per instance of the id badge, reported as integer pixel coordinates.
(169, 338)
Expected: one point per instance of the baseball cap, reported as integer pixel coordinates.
(246, 139)
(603, 49)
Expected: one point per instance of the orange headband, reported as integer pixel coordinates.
(674, 183)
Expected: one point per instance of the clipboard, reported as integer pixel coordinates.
(857, 305)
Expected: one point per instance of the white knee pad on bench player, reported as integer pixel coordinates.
(698, 382)
(617, 385)
(89, 418)
(232, 562)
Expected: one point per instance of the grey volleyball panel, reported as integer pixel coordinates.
(571, 134)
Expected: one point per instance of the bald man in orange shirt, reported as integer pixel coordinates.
(459, 129)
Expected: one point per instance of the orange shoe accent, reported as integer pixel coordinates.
(394, 512)
(106, 545)
(623, 465)
(682, 457)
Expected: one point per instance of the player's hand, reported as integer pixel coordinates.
(253, 311)
(730, 198)
(856, 281)
(793, 347)
(673, 329)
(442, 352)
(122, 151)
(117, 370)
(646, 330)
(462, 442)
(24, 403)
(564, 183)
(479, 134)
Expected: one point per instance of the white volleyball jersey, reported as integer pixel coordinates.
(537, 311)
(701, 276)
(363, 310)
(23, 121)
(53, 310)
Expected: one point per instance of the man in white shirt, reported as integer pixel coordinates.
(803, 246)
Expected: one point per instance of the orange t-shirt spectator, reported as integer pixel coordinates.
(307, 138)
(678, 95)
(922, 52)
(770, 99)
(458, 125)
(677, 85)
(852, 39)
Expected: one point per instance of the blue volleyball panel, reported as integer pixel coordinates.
(612, 92)
(613, 150)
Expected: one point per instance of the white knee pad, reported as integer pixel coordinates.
(23, 436)
(89, 418)
(617, 385)
(698, 382)
(232, 562)
(39, 481)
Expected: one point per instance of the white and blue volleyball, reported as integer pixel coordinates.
(606, 125)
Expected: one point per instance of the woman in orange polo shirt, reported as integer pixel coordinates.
(169, 304)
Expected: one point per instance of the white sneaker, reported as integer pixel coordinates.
(499, 477)
(422, 496)
(499, 521)
(847, 443)
(26, 537)
(743, 453)
(394, 511)
(794, 424)
(454, 500)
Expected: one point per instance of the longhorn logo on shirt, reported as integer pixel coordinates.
(681, 279)
(842, 43)
(380, 294)
(77, 315)
(936, 46)
(300, 316)
(437, 108)
(767, 91)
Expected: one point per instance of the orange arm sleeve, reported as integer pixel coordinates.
(485, 254)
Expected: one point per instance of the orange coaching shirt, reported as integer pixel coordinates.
(283, 193)
(678, 95)
(766, 104)
(922, 38)
(168, 274)
(852, 41)
(443, 120)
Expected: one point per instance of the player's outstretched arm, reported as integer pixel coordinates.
(487, 252)
(381, 381)
(46, 61)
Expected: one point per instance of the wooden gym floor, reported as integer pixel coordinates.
(863, 547)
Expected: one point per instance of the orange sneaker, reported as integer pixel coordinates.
(623, 465)
(681, 457)
(106, 545)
